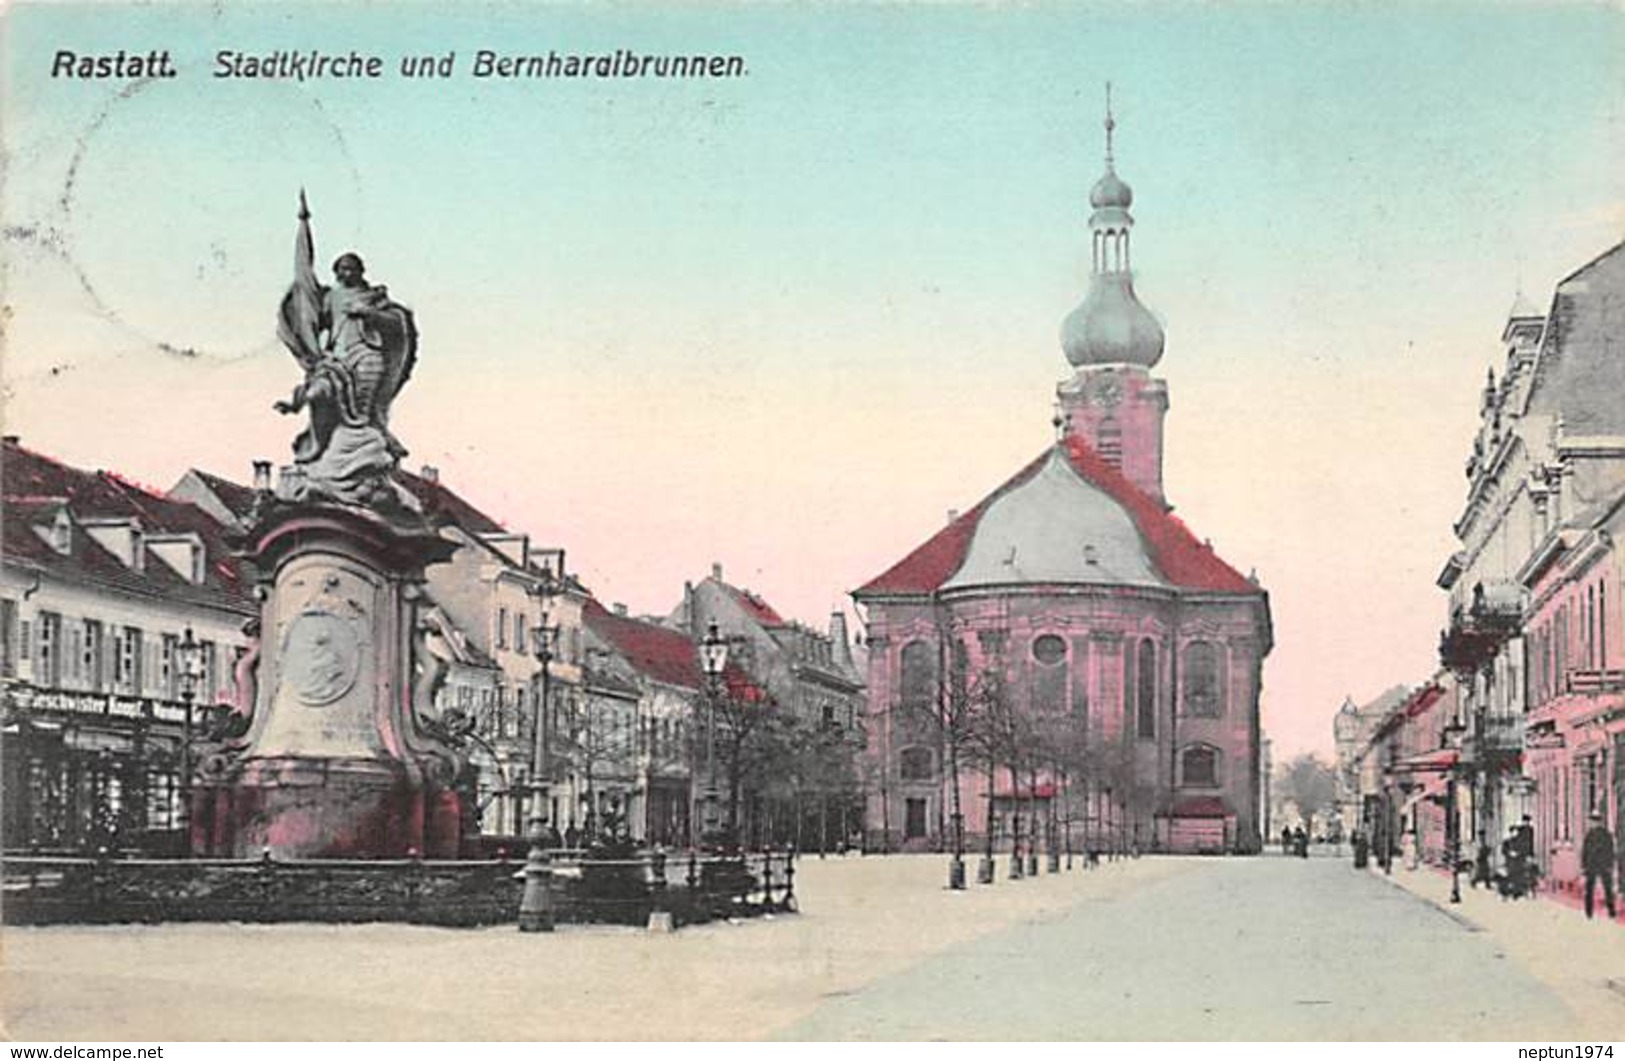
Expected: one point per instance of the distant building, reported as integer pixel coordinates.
(1123, 655)
(100, 580)
(661, 666)
(812, 678)
(1352, 727)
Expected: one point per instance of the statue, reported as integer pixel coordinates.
(357, 348)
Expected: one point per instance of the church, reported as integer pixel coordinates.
(1066, 660)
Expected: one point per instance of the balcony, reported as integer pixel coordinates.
(1478, 630)
(1596, 682)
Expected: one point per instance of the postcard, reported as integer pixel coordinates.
(575, 521)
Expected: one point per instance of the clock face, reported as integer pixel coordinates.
(1109, 391)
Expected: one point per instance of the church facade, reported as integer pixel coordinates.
(1065, 666)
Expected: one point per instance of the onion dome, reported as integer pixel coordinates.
(1111, 326)
(1111, 190)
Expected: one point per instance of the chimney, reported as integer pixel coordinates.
(13, 440)
(619, 609)
(430, 474)
(716, 571)
(953, 514)
(838, 639)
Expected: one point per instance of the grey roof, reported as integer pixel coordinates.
(1056, 527)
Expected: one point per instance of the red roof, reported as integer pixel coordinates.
(1177, 555)
(35, 486)
(1424, 699)
(661, 653)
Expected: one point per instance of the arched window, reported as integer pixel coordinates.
(1049, 674)
(1146, 725)
(1199, 767)
(919, 684)
(917, 764)
(1204, 679)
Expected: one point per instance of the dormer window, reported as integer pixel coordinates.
(62, 533)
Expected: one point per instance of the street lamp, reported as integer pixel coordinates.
(541, 751)
(1452, 734)
(536, 902)
(189, 674)
(713, 659)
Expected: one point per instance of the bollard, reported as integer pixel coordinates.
(767, 880)
(659, 916)
(788, 904)
(956, 873)
(984, 870)
(536, 902)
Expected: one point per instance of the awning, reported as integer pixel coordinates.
(1043, 790)
(1201, 807)
(1434, 762)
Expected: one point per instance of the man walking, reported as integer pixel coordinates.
(1597, 860)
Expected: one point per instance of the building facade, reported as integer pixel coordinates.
(1535, 610)
(101, 581)
(1066, 655)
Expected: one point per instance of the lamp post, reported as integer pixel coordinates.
(536, 902)
(984, 868)
(541, 730)
(1452, 734)
(713, 660)
(189, 673)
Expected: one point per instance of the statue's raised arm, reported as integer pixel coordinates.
(357, 348)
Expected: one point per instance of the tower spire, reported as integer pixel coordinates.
(1110, 125)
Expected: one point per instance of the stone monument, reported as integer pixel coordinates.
(340, 756)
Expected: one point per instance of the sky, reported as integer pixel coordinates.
(786, 321)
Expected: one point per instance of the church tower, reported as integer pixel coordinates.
(1112, 403)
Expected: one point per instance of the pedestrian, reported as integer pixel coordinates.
(1597, 861)
(1362, 850)
(1482, 871)
(1300, 842)
(572, 836)
(1286, 839)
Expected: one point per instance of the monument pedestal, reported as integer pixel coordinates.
(337, 761)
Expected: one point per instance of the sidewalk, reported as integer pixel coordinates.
(1583, 961)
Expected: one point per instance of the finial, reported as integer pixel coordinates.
(304, 208)
(1110, 123)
